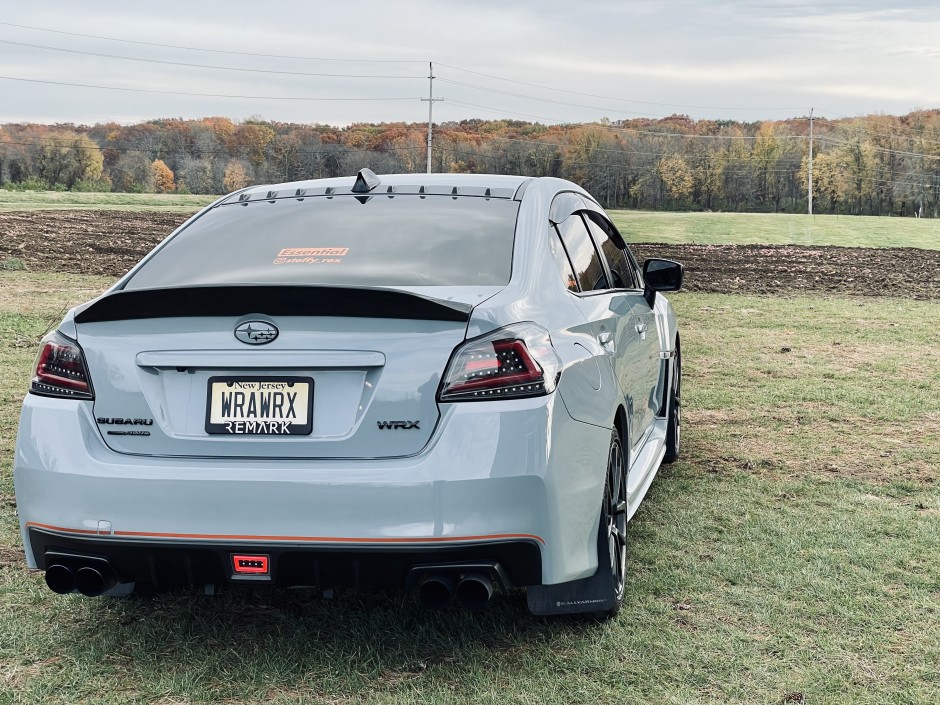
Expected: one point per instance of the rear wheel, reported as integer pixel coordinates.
(612, 536)
(601, 594)
(673, 428)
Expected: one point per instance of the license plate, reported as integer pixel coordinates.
(260, 406)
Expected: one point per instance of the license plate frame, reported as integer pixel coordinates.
(220, 423)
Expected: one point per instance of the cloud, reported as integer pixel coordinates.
(859, 55)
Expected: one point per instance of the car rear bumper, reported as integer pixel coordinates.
(501, 482)
(162, 563)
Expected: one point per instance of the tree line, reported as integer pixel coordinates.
(874, 165)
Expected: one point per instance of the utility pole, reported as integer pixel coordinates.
(810, 161)
(430, 101)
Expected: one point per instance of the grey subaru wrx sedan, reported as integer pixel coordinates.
(452, 384)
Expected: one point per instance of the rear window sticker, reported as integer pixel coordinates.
(311, 255)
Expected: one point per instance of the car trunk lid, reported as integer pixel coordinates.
(350, 373)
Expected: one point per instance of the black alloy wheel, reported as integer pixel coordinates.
(612, 538)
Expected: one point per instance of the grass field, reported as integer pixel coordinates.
(69, 200)
(777, 229)
(789, 557)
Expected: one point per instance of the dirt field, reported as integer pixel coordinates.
(110, 242)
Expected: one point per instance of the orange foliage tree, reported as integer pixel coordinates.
(235, 176)
(162, 177)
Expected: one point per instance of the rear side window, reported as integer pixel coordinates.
(402, 240)
(561, 259)
(587, 263)
(620, 270)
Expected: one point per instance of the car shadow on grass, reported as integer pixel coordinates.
(302, 640)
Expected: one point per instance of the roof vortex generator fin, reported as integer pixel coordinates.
(366, 180)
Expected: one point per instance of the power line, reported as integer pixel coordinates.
(619, 128)
(505, 112)
(605, 97)
(869, 128)
(750, 138)
(621, 151)
(198, 95)
(385, 61)
(577, 105)
(204, 66)
(213, 51)
(557, 122)
(544, 100)
(882, 150)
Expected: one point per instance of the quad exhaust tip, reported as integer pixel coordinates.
(60, 579)
(474, 591)
(436, 591)
(88, 575)
(91, 582)
(471, 590)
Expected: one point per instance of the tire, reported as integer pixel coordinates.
(612, 534)
(673, 428)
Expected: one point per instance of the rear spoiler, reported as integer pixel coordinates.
(293, 300)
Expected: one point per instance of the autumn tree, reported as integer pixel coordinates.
(763, 165)
(61, 158)
(707, 165)
(223, 129)
(133, 171)
(856, 161)
(827, 180)
(925, 166)
(4, 151)
(162, 177)
(644, 185)
(887, 163)
(235, 176)
(677, 177)
(875, 164)
(411, 149)
(250, 141)
(585, 147)
(198, 175)
(282, 158)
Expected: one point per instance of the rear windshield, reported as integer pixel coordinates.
(399, 240)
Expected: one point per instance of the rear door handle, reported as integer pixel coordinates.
(641, 329)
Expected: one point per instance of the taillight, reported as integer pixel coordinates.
(509, 363)
(61, 369)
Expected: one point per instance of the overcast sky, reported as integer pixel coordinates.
(743, 60)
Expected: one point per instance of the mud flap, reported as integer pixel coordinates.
(594, 594)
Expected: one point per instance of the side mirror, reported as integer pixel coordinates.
(661, 275)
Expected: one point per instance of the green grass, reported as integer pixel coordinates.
(789, 557)
(71, 200)
(845, 386)
(777, 229)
